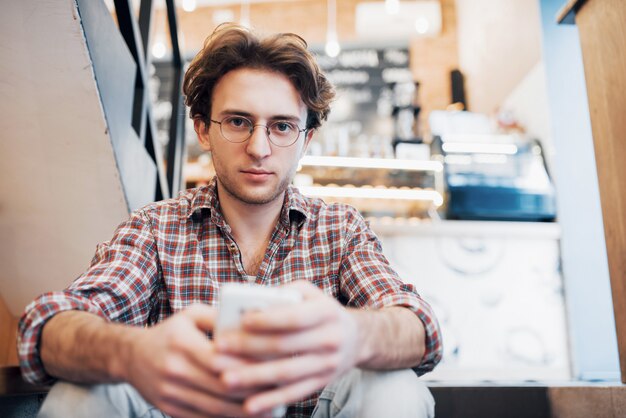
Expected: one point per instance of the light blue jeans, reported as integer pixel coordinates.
(359, 393)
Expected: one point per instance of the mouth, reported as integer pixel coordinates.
(256, 171)
(257, 174)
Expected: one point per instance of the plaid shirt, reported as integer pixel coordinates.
(176, 252)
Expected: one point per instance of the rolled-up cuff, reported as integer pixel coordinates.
(35, 316)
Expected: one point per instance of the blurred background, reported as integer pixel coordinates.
(460, 131)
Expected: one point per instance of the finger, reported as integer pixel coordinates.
(261, 346)
(211, 385)
(280, 372)
(196, 344)
(196, 348)
(220, 362)
(197, 364)
(288, 318)
(183, 369)
(203, 315)
(179, 369)
(286, 394)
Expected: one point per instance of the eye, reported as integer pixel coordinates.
(237, 122)
(282, 127)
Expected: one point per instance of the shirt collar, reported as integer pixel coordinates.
(295, 208)
(204, 197)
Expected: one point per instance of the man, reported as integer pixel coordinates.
(133, 328)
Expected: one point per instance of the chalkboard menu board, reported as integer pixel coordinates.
(364, 79)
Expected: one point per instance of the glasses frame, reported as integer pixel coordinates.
(267, 131)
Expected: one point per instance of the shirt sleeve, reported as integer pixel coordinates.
(119, 286)
(367, 280)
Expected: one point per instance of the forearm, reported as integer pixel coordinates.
(389, 338)
(82, 347)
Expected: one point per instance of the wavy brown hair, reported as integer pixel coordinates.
(232, 46)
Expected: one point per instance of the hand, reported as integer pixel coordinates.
(322, 334)
(176, 367)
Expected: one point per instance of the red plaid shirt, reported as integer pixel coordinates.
(179, 251)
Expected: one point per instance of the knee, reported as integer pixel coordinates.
(74, 400)
(396, 393)
(65, 400)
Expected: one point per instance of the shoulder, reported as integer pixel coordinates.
(177, 209)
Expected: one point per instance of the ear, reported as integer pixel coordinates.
(202, 131)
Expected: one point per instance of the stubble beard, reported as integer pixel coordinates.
(236, 191)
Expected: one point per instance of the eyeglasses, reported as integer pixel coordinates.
(238, 129)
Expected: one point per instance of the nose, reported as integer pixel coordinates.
(258, 146)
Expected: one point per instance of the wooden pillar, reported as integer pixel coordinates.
(602, 30)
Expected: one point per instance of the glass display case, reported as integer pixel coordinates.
(388, 190)
(496, 177)
(397, 189)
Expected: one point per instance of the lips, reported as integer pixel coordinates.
(256, 175)
(256, 171)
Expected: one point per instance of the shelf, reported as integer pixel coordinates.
(452, 228)
(380, 163)
(394, 187)
(374, 193)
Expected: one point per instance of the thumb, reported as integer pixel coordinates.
(202, 315)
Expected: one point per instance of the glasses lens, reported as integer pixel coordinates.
(236, 128)
(283, 133)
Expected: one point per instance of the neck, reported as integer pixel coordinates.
(249, 221)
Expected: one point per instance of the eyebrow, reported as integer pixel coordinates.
(249, 115)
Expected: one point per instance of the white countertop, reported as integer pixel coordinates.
(425, 228)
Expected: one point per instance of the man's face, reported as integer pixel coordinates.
(255, 171)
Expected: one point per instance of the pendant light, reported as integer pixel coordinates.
(244, 18)
(332, 43)
(189, 5)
